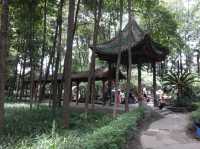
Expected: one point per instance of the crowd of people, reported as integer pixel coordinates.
(145, 95)
(134, 96)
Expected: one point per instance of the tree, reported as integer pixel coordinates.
(68, 63)
(44, 42)
(57, 61)
(3, 53)
(129, 59)
(91, 78)
(118, 61)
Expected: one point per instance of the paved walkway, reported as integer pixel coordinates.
(169, 133)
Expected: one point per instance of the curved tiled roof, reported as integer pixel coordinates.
(144, 49)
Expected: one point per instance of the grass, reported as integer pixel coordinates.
(38, 129)
(114, 135)
(24, 127)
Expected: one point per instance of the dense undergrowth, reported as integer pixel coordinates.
(25, 127)
(37, 129)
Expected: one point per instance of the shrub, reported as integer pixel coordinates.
(33, 129)
(114, 135)
(181, 86)
(96, 132)
(10, 99)
(111, 136)
(196, 116)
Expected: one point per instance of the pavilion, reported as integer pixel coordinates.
(143, 49)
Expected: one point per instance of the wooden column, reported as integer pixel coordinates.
(103, 92)
(110, 85)
(139, 83)
(35, 91)
(93, 90)
(154, 84)
(139, 78)
(70, 93)
(77, 92)
(60, 89)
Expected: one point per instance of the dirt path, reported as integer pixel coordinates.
(168, 132)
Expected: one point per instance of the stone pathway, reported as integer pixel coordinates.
(169, 133)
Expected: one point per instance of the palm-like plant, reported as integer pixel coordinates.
(180, 82)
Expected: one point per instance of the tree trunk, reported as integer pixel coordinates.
(55, 82)
(129, 59)
(32, 78)
(3, 53)
(118, 62)
(52, 53)
(31, 51)
(198, 66)
(91, 78)
(188, 62)
(181, 62)
(13, 81)
(68, 63)
(18, 82)
(44, 42)
(22, 77)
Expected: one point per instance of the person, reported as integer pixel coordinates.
(112, 95)
(122, 94)
(163, 99)
(162, 103)
(118, 97)
(131, 98)
(145, 95)
(144, 92)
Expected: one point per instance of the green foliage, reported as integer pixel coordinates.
(196, 105)
(111, 136)
(159, 22)
(114, 135)
(181, 84)
(10, 99)
(196, 115)
(39, 127)
(179, 81)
